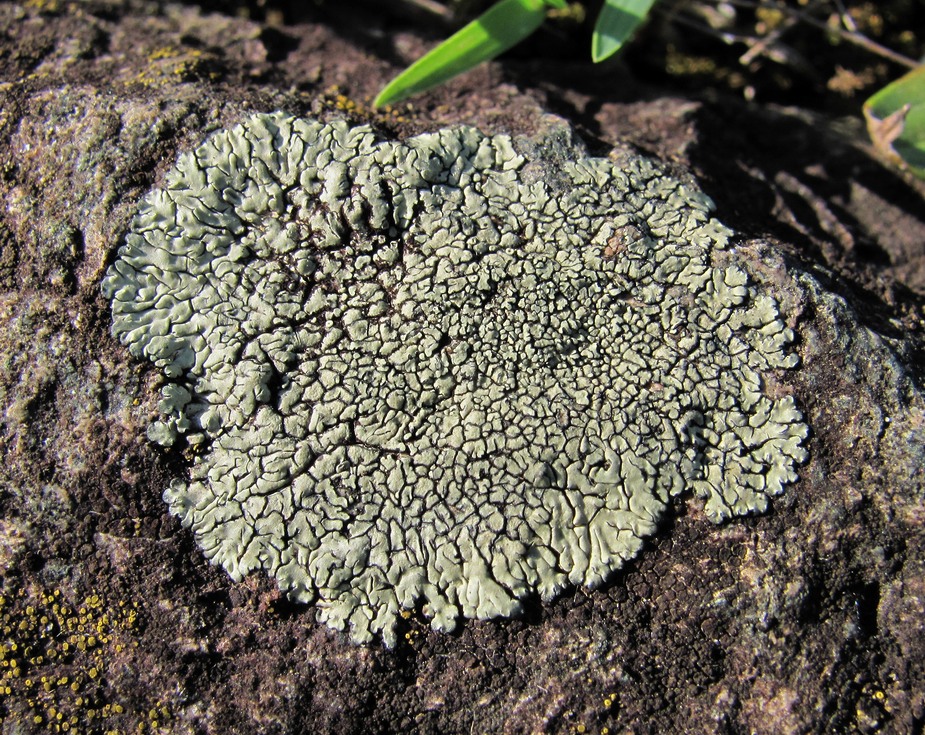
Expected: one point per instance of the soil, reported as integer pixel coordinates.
(804, 620)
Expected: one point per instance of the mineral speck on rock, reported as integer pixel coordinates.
(417, 374)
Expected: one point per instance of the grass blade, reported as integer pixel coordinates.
(495, 31)
(617, 21)
(896, 120)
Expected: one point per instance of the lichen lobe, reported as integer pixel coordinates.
(418, 376)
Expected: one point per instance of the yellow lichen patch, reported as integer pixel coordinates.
(55, 656)
(44, 6)
(169, 64)
(334, 99)
(414, 627)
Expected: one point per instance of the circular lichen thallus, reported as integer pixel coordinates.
(425, 373)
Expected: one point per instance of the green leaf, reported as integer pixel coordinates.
(896, 120)
(495, 31)
(617, 21)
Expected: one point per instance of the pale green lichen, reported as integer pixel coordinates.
(434, 371)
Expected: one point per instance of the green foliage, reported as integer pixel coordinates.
(618, 20)
(505, 24)
(896, 120)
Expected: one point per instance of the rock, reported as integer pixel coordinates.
(804, 619)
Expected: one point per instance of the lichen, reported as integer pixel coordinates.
(436, 372)
(56, 659)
